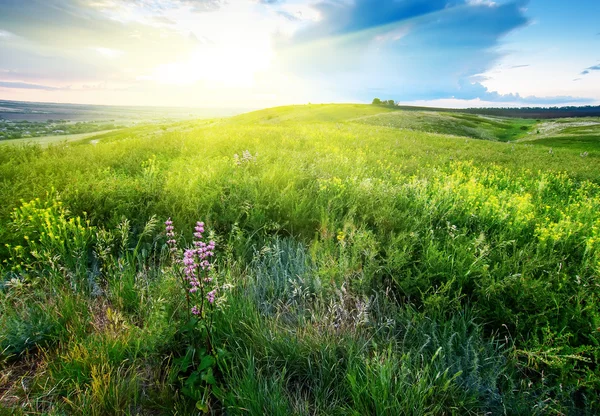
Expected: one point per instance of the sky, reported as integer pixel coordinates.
(262, 53)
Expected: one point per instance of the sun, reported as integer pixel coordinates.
(232, 65)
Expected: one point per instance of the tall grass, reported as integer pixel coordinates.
(367, 270)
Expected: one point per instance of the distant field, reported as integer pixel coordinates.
(570, 134)
(368, 261)
(524, 112)
(479, 127)
(47, 140)
(494, 128)
(17, 110)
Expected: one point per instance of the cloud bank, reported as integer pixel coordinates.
(326, 50)
(411, 49)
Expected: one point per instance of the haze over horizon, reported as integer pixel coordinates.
(261, 53)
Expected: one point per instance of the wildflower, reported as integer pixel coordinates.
(194, 283)
(171, 242)
(199, 229)
(247, 157)
(210, 296)
(169, 227)
(189, 262)
(196, 265)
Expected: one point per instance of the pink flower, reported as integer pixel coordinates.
(171, 242)
(210, 296)
(196, 264)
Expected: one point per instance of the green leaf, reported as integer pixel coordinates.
(207, 361)
(203, 407)
(208, 377)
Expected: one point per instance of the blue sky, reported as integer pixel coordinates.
(258, 53)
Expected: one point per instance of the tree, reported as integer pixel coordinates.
(391, 103)
(376, 101)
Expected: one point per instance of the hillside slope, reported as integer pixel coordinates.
(358, 268)
(467, 125)
(311, 113)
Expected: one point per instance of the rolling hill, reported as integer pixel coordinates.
(367, 260)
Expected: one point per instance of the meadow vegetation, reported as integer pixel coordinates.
(469, 125)
(361, 266)
(11, 130)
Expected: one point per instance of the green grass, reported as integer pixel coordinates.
(311, 113)
(478, 127)
(587, 143)
(582, 131)
(364, 268)
(574, 135)
(467, 125)
(48, 140)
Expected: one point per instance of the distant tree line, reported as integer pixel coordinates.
(539, 112)
(391, 103)
(521, 112)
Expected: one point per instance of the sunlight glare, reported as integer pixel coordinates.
(229, 65)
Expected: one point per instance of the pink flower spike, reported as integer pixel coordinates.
(210, 296)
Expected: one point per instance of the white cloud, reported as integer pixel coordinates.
(5, 34)
(478, 103)
(488, 3)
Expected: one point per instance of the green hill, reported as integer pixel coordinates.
(367, 260)
(311, 113)
(573, 134)
(459, 124)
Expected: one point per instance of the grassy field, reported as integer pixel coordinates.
(366, 261)
(476, 126)
(569, 133)
(44, 141)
